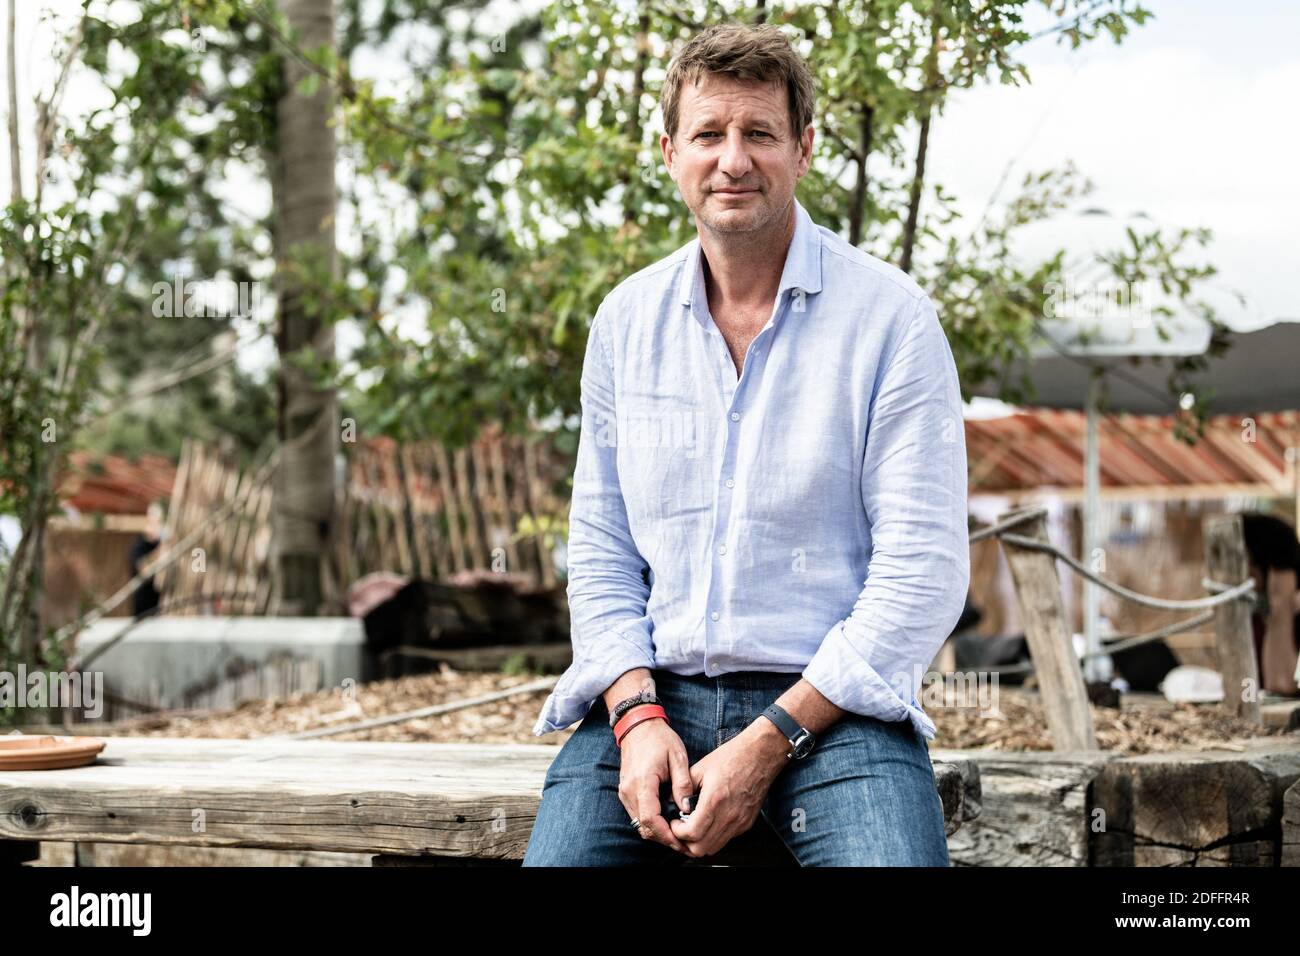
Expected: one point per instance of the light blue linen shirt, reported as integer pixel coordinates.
(808, 515)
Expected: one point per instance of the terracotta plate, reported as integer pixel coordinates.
(32, 752)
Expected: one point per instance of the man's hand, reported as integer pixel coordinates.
(653, 753)
(733, 781)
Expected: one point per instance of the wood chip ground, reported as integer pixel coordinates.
(1017, 725)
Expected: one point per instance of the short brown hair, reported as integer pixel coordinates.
(742, 52)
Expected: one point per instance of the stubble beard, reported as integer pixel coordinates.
(731, 229)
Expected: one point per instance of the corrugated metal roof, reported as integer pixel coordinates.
(111, 484)
(1044, 449)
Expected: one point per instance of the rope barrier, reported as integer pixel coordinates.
(1001, 526)
(1226, 592)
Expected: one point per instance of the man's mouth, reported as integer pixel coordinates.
(735, 192)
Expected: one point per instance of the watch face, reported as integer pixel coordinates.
(803, 744)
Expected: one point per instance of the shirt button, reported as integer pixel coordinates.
(731, 483)
(714, 615)
(735, 416)
(722, 549)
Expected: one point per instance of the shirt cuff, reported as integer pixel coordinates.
(589, 677)
(844, 677)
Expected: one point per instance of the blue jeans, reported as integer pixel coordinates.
(865, 796)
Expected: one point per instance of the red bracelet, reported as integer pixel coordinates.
(634, 717)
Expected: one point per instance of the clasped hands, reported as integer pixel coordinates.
(732, 782)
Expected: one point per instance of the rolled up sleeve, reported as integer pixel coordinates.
(610, 628)
(914, 492)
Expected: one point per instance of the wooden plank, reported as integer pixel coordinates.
(451, 799)
(458, 561)
(459, 800)
(168, 580)
(536, 508)
(1225, 562)
(515, 445)
(143, 854)
(393, 478)
(481, 486)
(1144, 493)
(547, 503)
(464, 489)
(419, 541)
(498, 471)
(1038, 589)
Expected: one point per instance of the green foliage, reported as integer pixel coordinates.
(493, 197)
(533, 189)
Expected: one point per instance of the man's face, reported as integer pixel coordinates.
(734, 159)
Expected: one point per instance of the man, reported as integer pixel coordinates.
(771, 418)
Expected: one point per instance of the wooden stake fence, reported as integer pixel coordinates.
(432, 512)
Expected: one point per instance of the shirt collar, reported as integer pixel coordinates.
(803, 263)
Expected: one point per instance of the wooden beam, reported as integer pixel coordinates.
(1196, 492)
(1225, 562)
(384, 799)
(1060, 680)
(1193, 808)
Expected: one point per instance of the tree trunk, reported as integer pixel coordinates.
(634, 108)
(15, 156)
(858, 208)
(22, 606)
(928, 95)
(914, 201)
(303, 519)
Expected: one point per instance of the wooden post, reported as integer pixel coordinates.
(1225, 562)
(1060, 679)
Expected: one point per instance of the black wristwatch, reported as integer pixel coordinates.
(801, 738)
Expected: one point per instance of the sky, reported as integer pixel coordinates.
(1190, 122)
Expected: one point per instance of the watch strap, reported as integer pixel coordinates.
(784, 722)
(801, 738)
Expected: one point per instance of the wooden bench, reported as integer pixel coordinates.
(405, 803)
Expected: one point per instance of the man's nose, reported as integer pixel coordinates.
(734, 160)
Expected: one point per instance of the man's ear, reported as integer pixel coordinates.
(669, 154)
(805, 148)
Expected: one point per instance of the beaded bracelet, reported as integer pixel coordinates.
(623, 706)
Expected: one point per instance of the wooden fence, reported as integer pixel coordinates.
(228, 569)
(421, 510)
(465, 507)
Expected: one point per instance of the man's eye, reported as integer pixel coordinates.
(702, 135)
(759, 132)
